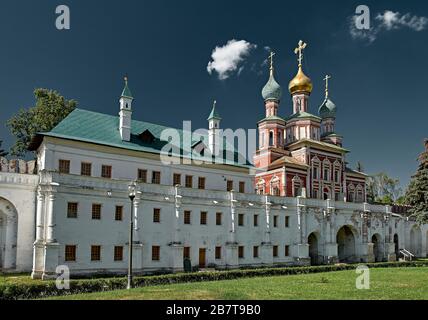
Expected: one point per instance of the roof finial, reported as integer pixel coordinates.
(271, 55)
(299, 51)
(214, 114)
(327, 77)
(126, 92)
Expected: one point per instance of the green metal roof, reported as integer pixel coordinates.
(271, 118)
(318, 143)
(303, 115)
(272, 90)
(103, 129)
(126, 91)
(214, 114)
(329, 134)
(349, 170)
(327, 109)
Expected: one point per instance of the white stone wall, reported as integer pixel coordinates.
(323, 217)
(17, 191)
(51, 230)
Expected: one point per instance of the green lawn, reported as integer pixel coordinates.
(388, 283)
(16, 279)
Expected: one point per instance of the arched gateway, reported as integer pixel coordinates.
(346, 244)
(396, 246)
(314, 248)
(8, 234)
(377, 247)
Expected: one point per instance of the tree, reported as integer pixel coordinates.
(383, 189)
(2, 152)
(417, 192)
(50, 109)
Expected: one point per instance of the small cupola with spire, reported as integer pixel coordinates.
(125, 113)
(271, 128)
(214, 130)
(271, 92)
(327, 112)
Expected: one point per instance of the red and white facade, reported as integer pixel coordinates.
(301, 155)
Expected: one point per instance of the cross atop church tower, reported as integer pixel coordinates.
(327, 77)
(271, 55)
(299, 51)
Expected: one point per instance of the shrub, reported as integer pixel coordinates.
(41, 290)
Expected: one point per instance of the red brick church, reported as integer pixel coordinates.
(302, 155)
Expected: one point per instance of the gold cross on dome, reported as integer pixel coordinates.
(327, 77)
(299, 51)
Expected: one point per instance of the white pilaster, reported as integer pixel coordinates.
(40, 216)
(136, 206)
(176, 222)
(50, 234)
(232, 217)
(268, 220)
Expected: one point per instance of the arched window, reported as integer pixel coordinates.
(296, 186)
(315, 168)
(337, 175)
(360, 194)
(326, 170)
(270, 138)
(351, 193)
(279, 138)
(274, 186)
(260, 188)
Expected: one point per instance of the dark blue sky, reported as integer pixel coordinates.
(165, 46)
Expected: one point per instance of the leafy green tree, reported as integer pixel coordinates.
(50, 109)
(386, 199)
(417, 192)
(401, 200)
(2, 152)
(383, 189)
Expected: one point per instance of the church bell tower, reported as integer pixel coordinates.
(125, 112)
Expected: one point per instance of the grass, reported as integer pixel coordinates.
(385, 284)
(19, 278)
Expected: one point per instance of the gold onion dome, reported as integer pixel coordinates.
(300, 83)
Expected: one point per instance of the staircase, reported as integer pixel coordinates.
(407, 255)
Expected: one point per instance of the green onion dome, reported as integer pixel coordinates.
(272, 90)
(327, 109)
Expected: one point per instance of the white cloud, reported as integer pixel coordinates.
(362, 34)
(226, 59)
(394, 20)
(387, 21)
